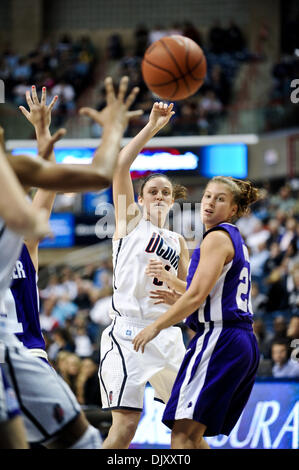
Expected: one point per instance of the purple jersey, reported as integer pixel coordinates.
(22, 302)
(229, 300)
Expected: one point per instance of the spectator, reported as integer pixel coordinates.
(263, 337)
(47, 321)
(64, 43)
(293, 288)
(189, 114)
(283, 366)
(141, 39)
(100, 312)
(217, 37)
(22, 70)
(19, 92)
(53, 288)
(258, 236)
(275, 232)
(83, 344)
(258, 299)
(70, 371)
(60, 363)
(274, 259)
(68, 283)
(235, 40)
(289, 235)
(83, 299)
(284, 200)
(64, 309)
(279, 329)
(277, 292)
(115, 48)
(210, 110)
(220, 84)
(66, 94)
(62, 341)
(88, 383)
(190, 31)
(248, 224)
(175, 29)
(293, 328)
(158, 32)
(258, 260)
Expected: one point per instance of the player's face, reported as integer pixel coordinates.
(157, 199)
(279, 354)
(217, 205)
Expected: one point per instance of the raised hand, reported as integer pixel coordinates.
(39, 113)
(161, 114)
(117, 108)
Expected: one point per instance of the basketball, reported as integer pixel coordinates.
(174, 67)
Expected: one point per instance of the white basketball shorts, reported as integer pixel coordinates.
(46, 401)
(9, 406)
(123, 372)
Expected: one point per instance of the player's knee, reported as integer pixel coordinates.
(178, 438)
(130, 428)
(126, 428)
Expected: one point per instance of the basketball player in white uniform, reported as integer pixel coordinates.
(59, 422)
(145, 256)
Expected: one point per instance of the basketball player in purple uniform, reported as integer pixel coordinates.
(218, 372)
(61, 424)
(22, 299)
(21, 218)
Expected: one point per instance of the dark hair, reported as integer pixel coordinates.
(243, 191)
(178, 191)
(281, 342)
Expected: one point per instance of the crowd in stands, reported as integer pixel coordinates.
(64, 66)
(271, 232)
(280, 112)
(75, 303)
(225, 49)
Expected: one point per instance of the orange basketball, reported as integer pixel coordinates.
(174, 67)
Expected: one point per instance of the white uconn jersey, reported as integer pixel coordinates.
(131, 255)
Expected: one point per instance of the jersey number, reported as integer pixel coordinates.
(243, 289)
(11, 312)
(156, 280)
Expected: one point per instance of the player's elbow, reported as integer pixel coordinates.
(195, 300)
(101, 181)
(19, 220)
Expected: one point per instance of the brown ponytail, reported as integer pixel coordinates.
(244, 192)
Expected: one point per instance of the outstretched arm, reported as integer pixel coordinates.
(122, 183)
(216, 249)
(15, 210)
(97, 175)
(39, 115)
